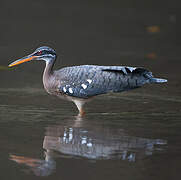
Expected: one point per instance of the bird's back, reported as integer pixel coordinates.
(89, 80)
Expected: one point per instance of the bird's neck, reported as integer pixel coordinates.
(49, 67)
(48, 74)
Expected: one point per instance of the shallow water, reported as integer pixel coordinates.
(132, 136)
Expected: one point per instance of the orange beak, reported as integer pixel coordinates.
(22, 60)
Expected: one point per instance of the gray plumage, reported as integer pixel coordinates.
(79, 83)
(89, 80)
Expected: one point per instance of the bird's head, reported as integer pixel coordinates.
(42, 53)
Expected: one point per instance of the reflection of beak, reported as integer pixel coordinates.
(25, 160)
(22, 60)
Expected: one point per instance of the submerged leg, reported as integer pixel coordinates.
(80, 104)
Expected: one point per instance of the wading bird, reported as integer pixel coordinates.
(81, 83)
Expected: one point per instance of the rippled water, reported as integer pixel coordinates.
(134, 135)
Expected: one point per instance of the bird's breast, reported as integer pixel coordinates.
(49, 84)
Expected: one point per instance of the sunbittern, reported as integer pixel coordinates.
(80, 83)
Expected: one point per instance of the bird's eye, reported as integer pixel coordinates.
(39, 53)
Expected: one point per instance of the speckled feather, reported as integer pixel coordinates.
(89, 80)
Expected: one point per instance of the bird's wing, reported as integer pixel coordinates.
(87, 81)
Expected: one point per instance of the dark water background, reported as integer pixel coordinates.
(132, 135)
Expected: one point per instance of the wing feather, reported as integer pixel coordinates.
(87, 81)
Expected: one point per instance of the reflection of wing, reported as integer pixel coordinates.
(86, 81)
(99, 144)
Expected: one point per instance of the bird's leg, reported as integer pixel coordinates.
(81, 112)
(80, 104)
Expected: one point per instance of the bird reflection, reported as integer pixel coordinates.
(77, 139)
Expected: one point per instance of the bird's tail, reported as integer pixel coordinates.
(157, 80)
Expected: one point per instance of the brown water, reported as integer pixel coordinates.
(132, 135)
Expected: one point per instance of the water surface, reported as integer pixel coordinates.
(133, 135)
